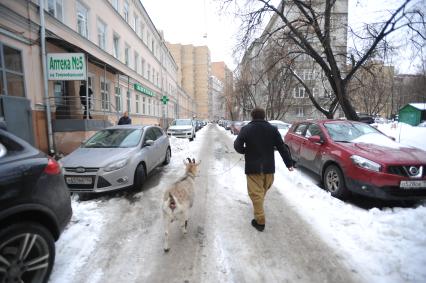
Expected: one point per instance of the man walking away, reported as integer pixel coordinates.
(86, 104)
(257, 141)
(125, 119)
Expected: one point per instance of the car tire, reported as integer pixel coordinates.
(85, 196)
(140, 176)
(37, 241)
(168, 155)
(334, 182)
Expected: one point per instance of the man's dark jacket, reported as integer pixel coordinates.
(125, 121)
(256, 141)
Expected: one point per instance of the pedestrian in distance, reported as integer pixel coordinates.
(86, 104)
(257, 141)
(125, 119)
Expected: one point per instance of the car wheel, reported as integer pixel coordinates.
(84, 196)
(334, 182)
(27, 253)
(167, 158)
(140, 176)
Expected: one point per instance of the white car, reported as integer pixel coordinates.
(282, 126)
(182, 128)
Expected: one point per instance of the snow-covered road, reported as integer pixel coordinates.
(118, 238)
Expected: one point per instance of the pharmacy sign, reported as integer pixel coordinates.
(66, 66)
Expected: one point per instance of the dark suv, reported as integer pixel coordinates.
(35, 207)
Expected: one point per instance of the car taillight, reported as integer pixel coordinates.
(53, 167)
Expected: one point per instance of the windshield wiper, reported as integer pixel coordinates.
(344, 141)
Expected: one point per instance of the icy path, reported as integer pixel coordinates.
(119, 239)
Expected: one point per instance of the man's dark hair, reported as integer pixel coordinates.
(258, 114)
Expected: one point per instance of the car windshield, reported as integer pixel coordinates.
(113, 138)
(347, 132)
(182, 123)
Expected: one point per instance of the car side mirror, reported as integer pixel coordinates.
(148, 143)
(315, 139)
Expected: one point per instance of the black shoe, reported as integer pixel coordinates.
(259, 227)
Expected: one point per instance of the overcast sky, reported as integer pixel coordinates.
(199, 22)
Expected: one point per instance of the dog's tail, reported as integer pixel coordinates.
(172, 202)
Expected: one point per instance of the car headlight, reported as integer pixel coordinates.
(365, 163)
(115, 165)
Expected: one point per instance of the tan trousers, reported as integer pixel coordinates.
(257, 186)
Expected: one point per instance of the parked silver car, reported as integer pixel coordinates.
(115, 158)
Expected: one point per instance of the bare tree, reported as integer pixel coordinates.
(371, 88)
(308, 25)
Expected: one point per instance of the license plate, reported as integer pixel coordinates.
(79, 180)
(413, 184)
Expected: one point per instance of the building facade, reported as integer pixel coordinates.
(194, 70)
(221, 71)
(128, 66)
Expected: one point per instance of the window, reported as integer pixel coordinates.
(143, 67)
(136, 65)
(313, 130)
(300, 129)
(135, 23)
(11, 72)
(127, 55)
(149, 72)
(82, 20)
(299, 92)
(104, 94)
(115, 4)
(143, 105)
(152, 46)
(141, 30)
(118, 99)
(129, 94)
(101, 34)
(299, 112)
(138, 99)
(116, 46)
(314, 91)
(126, 10)
(149, 106)
(54, 7)
(158, 81)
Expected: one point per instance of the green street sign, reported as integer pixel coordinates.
(143, 89)
(164, 99)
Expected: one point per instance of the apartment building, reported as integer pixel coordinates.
(217, 109)
(194, 70)
(271, 86)
(221, 71)
(127, 64)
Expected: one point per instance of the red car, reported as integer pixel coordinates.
(355, 157)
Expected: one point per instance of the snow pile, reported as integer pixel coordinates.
(387, 245)
(378, 139)
(405, 134)
(78, 240)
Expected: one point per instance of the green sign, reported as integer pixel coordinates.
(66, 66)
(164, 99)
(143, 89)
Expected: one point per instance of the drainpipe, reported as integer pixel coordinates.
(45, 84)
